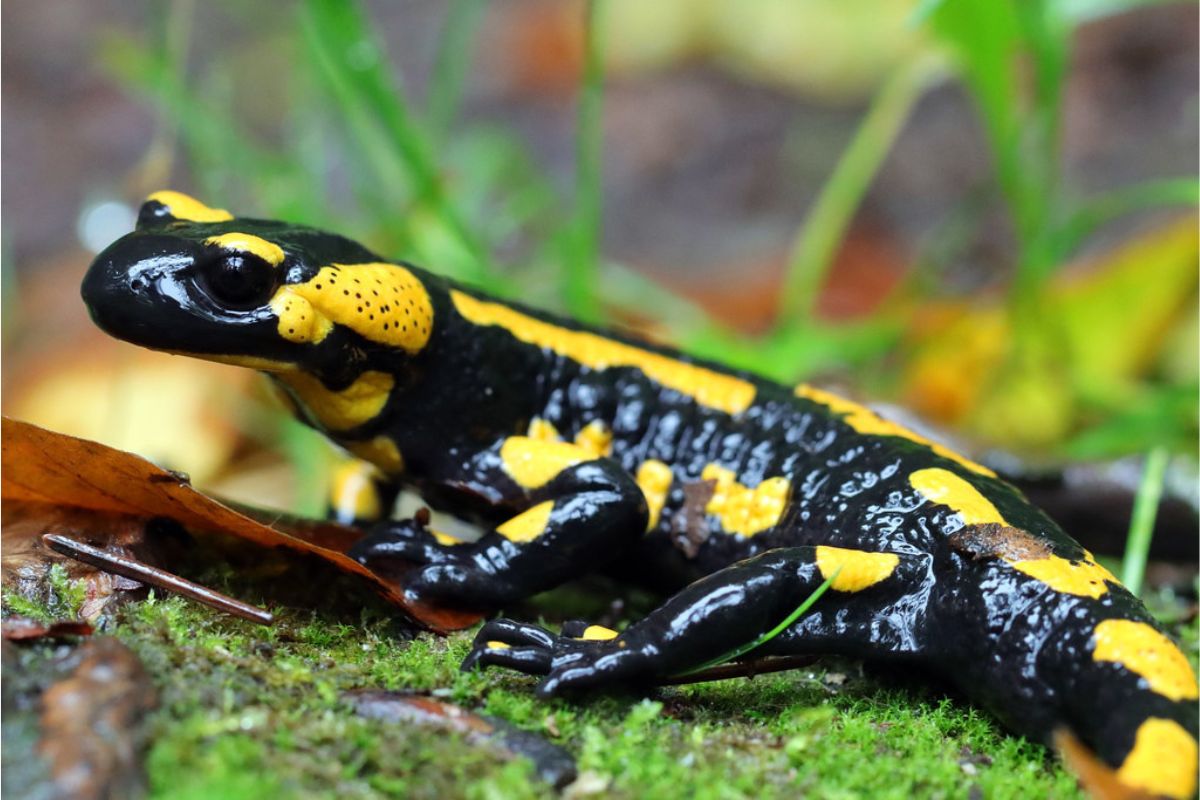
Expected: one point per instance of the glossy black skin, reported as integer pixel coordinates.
(1010, 642)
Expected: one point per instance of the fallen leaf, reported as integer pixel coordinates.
(23, 628)
(50, 468)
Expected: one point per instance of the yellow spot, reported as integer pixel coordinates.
(189, 209)
(380, 451)
(744, 510)
(864, 420)
(528, 525)
(1144, 651)
(707, 387)
(598, 633)
(543, 430)
(248, 243)
(444, 539)
(1163, 760)
(299, 322)
(654, 479)
(945, 488)
(596, 438)
(496, 645)
(351, 489)
(381, 302)
(859, 569)
(1083, 577)
(358, 403)
(533, 462)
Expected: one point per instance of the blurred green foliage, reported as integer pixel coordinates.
(354, 153)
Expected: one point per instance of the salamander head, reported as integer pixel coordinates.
(270, 295)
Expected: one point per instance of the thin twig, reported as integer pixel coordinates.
(742, 669)
(139, 571)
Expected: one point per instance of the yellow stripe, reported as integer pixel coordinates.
(859, 569)
(529, 524)
(189, 209)
(248, 243)
(705, 386)
(864, 420)
(1084, 578)
(1144, 651)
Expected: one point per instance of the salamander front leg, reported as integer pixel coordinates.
(581, 518)
(723, 612)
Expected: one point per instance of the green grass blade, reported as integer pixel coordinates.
(211, 135)
(737, 652)
(581, 262)
(822, 232)
(1141, 526)
(1181, 192)
(352, 62)
(450, 67)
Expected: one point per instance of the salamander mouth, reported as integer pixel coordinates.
(141, 291)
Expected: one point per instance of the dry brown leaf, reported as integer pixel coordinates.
(23, 628)
(47, 467)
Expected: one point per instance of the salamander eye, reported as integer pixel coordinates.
(238, 280)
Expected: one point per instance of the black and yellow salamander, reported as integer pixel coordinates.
(581, 450)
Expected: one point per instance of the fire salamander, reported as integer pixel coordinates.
(581, 450)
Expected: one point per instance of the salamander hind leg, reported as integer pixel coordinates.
(716, 616)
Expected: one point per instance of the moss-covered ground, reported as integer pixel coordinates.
(248, 711)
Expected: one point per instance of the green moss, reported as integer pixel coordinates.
(249, 711)
(57, 598)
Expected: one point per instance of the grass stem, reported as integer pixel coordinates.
(1141, 526)
(821, 234)
(581, 266)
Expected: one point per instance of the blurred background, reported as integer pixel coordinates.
(983, 212)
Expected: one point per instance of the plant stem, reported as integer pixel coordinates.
(583, 237)
(1141, 525)
(741, 669)
(769, 635)
(823, 230)
(450, 68)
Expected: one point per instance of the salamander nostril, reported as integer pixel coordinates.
(139, 284)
